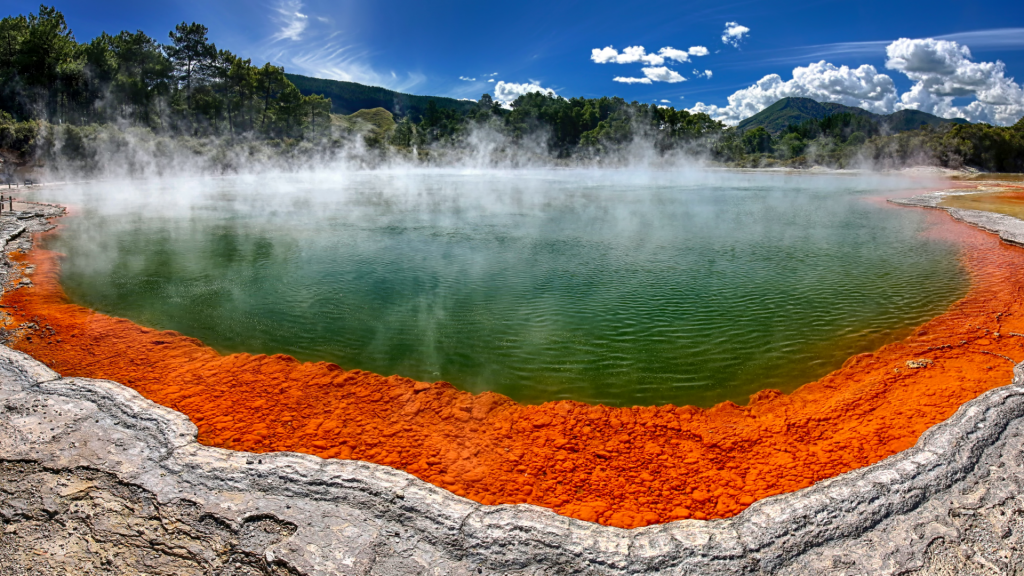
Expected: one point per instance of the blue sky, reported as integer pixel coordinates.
(962, 60)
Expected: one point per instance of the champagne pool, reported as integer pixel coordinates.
(615, 287)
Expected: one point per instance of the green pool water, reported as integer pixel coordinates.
(618, 287)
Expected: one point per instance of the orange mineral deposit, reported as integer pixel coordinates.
(624, 467)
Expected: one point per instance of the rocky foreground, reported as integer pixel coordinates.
(96, 479)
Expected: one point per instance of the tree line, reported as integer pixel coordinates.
(848, 140)
(186, 86)
(567, 126)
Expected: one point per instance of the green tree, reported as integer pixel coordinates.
(757, 141)
(12, 31)
(270, 82)
(144, 73)
(47, 60)
(319, 112)
(192, 55)
(239, 80)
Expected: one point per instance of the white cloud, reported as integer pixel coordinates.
(627, 80)
(491, 74)
(944, 70)
(630, 55)
(705, 74)
(507, 92)
(293, 23)
(673, 54)
(667, 101)
(637, 54)
(863, 87)
(465, 79)
(663, 74)
(734, 34)
(491, 80)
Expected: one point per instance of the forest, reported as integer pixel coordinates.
(847, 140)
(61, 98)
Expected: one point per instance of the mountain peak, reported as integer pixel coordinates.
(794, 110)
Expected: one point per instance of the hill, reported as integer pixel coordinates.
(373, 119)
(350, 97)
(778, 116)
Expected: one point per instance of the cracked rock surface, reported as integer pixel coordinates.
(95, 479)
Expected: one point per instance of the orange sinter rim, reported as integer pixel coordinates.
(625, 467)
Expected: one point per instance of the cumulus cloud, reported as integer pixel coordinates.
(667, 101)
(944, 70)
(465, 79)
(734, 34)
(863, 87)
(292, 22)
(663, 74)
(628, 80)
(491, 80)
(655, 70)
(638, 54)
(507, 92)
(673, 54)
(630, 55)
(705, 74)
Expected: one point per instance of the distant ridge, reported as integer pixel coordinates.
(350, 97)
(778, 116)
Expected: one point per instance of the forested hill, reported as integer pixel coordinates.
(350, 97)
(794, 111)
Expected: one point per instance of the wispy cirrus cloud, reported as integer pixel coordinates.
(1005, 38)
(335, 60)
(292, 22)
(998, 38)
(309, 44)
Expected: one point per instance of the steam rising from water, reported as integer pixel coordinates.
(616, 286)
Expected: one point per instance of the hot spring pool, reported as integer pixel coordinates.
(615, 287)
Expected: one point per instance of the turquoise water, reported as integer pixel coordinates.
(619, 287)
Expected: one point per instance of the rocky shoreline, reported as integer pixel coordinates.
(96, 479)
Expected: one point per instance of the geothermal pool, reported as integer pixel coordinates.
(615, 287)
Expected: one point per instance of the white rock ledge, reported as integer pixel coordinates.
(95, 479)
